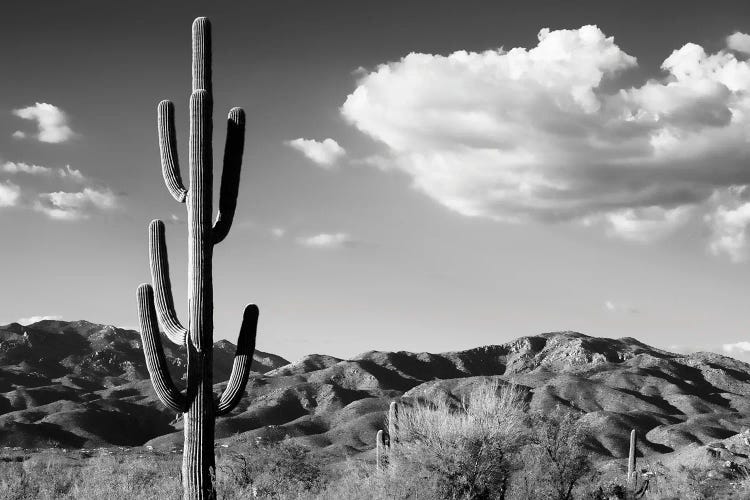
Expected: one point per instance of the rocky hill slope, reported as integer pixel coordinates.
(82, 385)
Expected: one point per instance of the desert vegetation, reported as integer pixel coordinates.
(488, 445)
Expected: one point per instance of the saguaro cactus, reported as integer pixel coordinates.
(384, 442)
(380, 448)
(393, 423)
(631, 460)
(156, 304)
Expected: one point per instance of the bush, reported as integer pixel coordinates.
(270, 470)
(465, 453)
(50, 477)
(556, 461)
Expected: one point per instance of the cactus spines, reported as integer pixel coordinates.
(393, 423)
(631, 460)
(379, 449)
(198, 403)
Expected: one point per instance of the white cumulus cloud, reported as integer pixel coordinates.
(739, 41)
(75, 205)
(325, 153)
(326, 240)
(547, 133)
(10, 194)
(51, 122)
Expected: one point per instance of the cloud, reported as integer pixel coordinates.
(278, 232)
(729, 222)
(617, 307)
(325, 153)
(549, 134)
(737, 347)
(641, 225)
(18, 135)
(35, 319)
(326, 240)
(63, 173)
(739, 41)
(51, 122)
(63, 205)
(10, 194)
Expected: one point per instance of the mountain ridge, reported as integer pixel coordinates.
(83, 389)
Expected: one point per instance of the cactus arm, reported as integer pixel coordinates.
(168, 148)
(202, 54)
(243, 358)
(157, 246)
(152, 348)
(230, 176)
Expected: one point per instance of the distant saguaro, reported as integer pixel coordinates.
(156, 305)
(385, 442)
(393, 423)
(379, 449)
(631, 460)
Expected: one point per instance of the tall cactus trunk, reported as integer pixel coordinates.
(198, 464)
(197, 404)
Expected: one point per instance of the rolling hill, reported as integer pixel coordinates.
(78, 384)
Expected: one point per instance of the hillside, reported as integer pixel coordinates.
(81, 385)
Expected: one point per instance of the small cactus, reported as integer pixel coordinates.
(393, 423)
(156, 305)
(379, 450)
(384, 442)
(632, 473)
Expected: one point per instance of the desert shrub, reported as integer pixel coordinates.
(556, 462)
(464, 453)
(144, 477)
(270, 470)
(126, 477)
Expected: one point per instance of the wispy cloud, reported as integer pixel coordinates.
(278, 232)
(70, 206)
(617, 307)
(736, 348)
(326, 240)
(10, 194)
(532, 134)
(325, 153)
(642, 225)
(729, 223)
(35, 319)
(25, 168)
(51, 121)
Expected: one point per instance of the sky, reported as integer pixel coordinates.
(423, 176)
